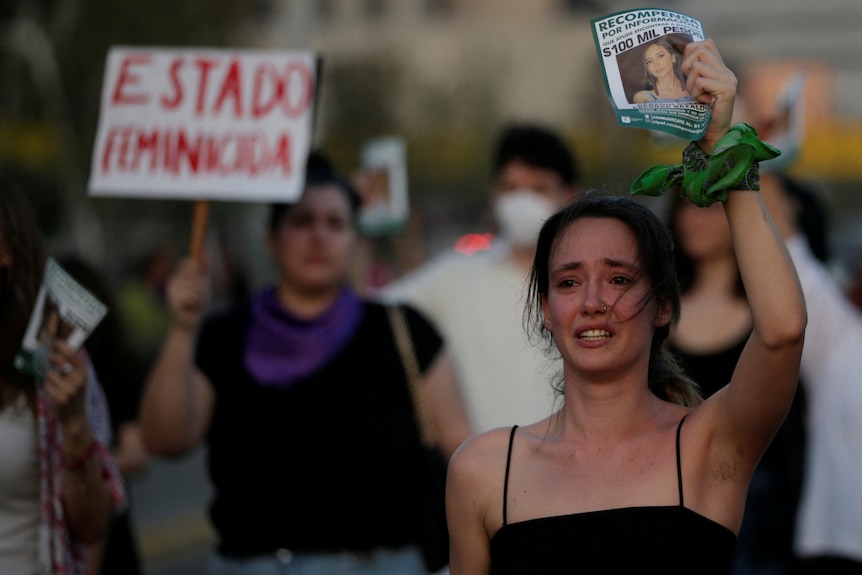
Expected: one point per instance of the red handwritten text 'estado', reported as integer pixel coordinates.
(236, 94)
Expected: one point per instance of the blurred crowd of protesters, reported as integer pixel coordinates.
(300, 394)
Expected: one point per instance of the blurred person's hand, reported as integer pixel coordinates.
(65, 383)
(188, 293)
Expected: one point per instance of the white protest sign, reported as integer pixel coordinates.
(640, 52)
(204, 124)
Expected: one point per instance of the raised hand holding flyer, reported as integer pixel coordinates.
(640, 52)
(64, 310)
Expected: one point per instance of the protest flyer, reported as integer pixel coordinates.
(384, 193)
(64, 310)
(204, 124)
(640, 52)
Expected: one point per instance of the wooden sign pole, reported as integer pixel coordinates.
(199, 230)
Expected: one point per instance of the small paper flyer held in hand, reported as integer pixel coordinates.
(640, 52)
(64, 310)
(385, 201)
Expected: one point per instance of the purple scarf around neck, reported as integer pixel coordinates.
(282, 348)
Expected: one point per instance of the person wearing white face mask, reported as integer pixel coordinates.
(477, 301)
(520, 215)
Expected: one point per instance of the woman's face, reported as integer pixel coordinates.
(658, 60)
(703, 233)
(598, 305)
(314, 241)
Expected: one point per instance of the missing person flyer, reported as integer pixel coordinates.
(64, 310)
(640, 52)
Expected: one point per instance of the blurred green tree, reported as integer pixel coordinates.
(52, 59)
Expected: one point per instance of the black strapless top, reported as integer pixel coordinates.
(666, 539)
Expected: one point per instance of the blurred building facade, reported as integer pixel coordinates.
(447, 73)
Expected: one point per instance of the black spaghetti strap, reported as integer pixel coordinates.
(678, 463)
(506, 480)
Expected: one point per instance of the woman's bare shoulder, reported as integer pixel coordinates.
(480, 462)
(482, 449)
(477, 472)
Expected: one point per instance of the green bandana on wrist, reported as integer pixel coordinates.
(705, 179)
